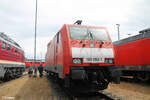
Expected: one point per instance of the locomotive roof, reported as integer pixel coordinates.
(85, 26)
(7, 39)
(145, 31)
(133, 38)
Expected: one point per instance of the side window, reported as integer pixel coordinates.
(58, 37)
(3, 45)
(16, 50)
(8, 47)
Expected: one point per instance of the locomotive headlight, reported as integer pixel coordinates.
(76, 61)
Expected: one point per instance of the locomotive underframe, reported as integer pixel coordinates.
(91, 79)
(138, 72)
(11, 71)
(88, 79)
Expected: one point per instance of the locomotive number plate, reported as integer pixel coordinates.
(93, 60)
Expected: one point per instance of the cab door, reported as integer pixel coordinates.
(56, 51)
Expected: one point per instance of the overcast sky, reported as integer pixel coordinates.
(17, 19)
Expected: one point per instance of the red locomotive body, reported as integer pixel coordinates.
(132, 55)
(82, 54)
(11, 58)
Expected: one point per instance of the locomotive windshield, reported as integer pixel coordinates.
(82, 33)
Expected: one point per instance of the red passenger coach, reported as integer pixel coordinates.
(133, 55)
(82, 56)
(11, 58)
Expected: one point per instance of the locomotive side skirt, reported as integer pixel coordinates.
(135, 68)
(55, 69)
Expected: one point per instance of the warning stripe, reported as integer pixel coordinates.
(11, 62)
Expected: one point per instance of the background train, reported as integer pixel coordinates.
(11, 58)
(133, 55)
(30, 63)
(82, 57)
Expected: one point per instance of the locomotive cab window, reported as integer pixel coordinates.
(16, 50)
(8, 47)
(58, 37)
(3, 45)
(84, 33)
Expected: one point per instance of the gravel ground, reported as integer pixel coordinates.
(130, 91)
(26, 88)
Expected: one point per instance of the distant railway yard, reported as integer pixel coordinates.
(36, 88)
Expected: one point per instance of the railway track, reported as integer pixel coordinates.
(1, 82)
(91, 96)
(67, 94)
(134, 81)
(101, 95)
(5, 82)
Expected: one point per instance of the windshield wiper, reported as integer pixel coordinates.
(91, 35)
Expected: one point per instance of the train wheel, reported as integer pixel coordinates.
(7, 76)
(103, 84)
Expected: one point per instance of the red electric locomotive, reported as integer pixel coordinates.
(132, 55)
(82, 57)
(11, 58)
